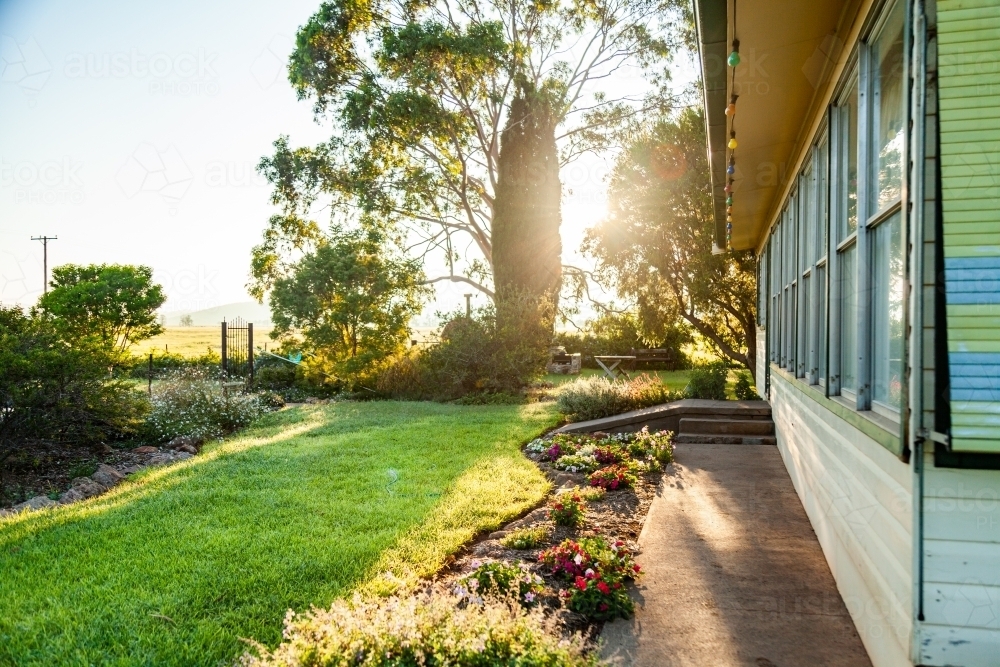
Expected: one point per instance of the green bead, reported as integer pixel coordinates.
(734, 59)
(729, 201)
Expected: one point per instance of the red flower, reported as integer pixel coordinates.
(617, 585)
(581, 583)
(558, 506)
(603, 587)
(603, 607)
(636, 568)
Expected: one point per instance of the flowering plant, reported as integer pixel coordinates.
(499, 580)
(595, 597)
(613, 477)
(596, 570)
(607, 454)
(576, 463)
(567, 510)
(658, 445)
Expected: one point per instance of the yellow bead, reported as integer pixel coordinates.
(732, 143)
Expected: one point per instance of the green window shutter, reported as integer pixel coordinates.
(969, 107)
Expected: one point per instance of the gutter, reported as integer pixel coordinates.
(711, 21)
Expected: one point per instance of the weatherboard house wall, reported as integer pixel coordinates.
(905, 502)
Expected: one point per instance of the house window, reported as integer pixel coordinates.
(836, 266)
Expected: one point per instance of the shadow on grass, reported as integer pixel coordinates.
(178, 565)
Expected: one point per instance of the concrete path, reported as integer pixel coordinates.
(734, 574)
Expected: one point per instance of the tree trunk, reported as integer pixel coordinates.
(527, 248)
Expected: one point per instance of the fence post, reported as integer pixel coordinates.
(250, 350)
(150, 374)
(225, 368)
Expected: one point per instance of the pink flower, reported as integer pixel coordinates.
(603, 607)
(590, 574)
(529, 597)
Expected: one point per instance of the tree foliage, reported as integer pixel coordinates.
(112, 305)
(656, 244)
(52, 392)
(417, 96)
(350, 300)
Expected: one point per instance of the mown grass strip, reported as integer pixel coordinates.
(176, 566)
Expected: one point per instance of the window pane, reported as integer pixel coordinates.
(887, 121)
(848, 319)
(806, 330)
(807, 214)
(793, 307)
(887, 312)
(852, 161)
(822, 200)
(821, 320)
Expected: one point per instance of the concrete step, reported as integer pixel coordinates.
(713, 439)
(695, 425)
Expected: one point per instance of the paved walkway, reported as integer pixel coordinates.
(734, 574)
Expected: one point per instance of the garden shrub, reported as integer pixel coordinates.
(191, 402)
(744, 389)
(53, 393)
(501, 580)
(658, 445)
(613, 477)
(526, 538)
(566, 509)
(478, 355)
(708, 381)
(432, 629)
(596, 397)
(136, 366)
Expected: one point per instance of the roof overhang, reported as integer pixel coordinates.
(788, 50)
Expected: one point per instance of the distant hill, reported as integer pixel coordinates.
(251, 311)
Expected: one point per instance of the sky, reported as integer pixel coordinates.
(131, 131)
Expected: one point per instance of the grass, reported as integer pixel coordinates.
(313, 503)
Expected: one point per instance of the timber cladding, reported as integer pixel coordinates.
(969, 107)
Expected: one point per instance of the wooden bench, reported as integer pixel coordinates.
(655, 355)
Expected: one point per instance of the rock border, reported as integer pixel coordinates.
(105, 477)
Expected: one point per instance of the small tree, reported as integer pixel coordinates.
(187, 321)
(656, 246)
(350, 300)
(113, 305)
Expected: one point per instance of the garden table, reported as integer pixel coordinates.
(611, 369)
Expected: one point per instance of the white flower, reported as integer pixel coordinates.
(589, 573)
(578, 559)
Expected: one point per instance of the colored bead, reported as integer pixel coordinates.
(732, 144)
(734, 59)
(731, 110)
(729, 200)
(728, 188)
(731, 169)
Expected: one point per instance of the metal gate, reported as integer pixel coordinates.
(237, 350)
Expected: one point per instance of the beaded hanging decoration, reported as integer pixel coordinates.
(733, 61)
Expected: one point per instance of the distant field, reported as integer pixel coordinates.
(193, 341)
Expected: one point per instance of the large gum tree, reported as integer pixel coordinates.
(449, 123)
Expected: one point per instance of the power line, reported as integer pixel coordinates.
(45, 259)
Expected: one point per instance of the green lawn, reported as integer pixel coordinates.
(175, 566)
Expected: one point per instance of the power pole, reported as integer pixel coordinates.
(45, 259)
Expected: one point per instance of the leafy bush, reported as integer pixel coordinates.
(596, 397)
(597, 571)
(434, 629)
(191, 402)
(744, 388)
(526, 538)
(593, 494)
(54, 392)
(482, 354)
(566, 509)
(165, 363)
(608, 454)
(502, 580)
(709, 381)
(613, 477)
